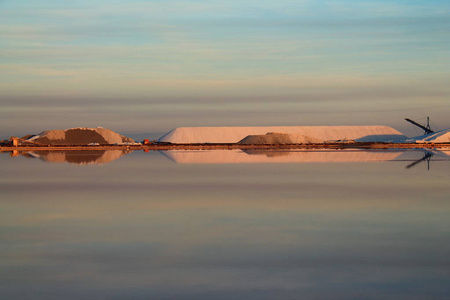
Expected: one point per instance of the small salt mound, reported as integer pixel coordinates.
(273, 138)
(442, 136)
(304, 139)
(80, 136)
(112, 137)
(268, 138)
(51, 135)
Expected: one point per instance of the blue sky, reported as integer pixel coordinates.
(150, 66)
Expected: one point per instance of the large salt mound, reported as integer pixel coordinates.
(442, 136)
(298, 134)
(80, 136)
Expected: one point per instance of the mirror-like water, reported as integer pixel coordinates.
(308, 225)
(99, 157)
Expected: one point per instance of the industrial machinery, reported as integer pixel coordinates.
(427, 127)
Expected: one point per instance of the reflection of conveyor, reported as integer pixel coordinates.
(427, 157)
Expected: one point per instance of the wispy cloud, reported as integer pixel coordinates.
(224, 57)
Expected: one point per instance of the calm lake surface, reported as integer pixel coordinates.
(221, 225)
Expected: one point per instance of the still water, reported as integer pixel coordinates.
(225, 225)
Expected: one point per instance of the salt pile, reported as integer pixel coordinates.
(268, 138)
(81, 136)
(297, 134)
(442, 136)
(279, 138)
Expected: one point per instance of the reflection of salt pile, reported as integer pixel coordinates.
(280, 134)
(80, 136)
(82, 157)
(288, 156)
(442, 136)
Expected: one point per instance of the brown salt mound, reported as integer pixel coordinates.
(268, 138)
(81, 136)
(273, 138)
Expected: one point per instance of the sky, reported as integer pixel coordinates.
(150, 66)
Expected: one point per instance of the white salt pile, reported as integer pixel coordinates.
(442, 136)
(81, 136)
(297, 134)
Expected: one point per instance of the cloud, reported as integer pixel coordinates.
(224, 58)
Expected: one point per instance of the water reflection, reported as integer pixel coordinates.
(415, 156)
(300, 156)
(79, 157)
(277, 156)
(143, 227)
(426, 157)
